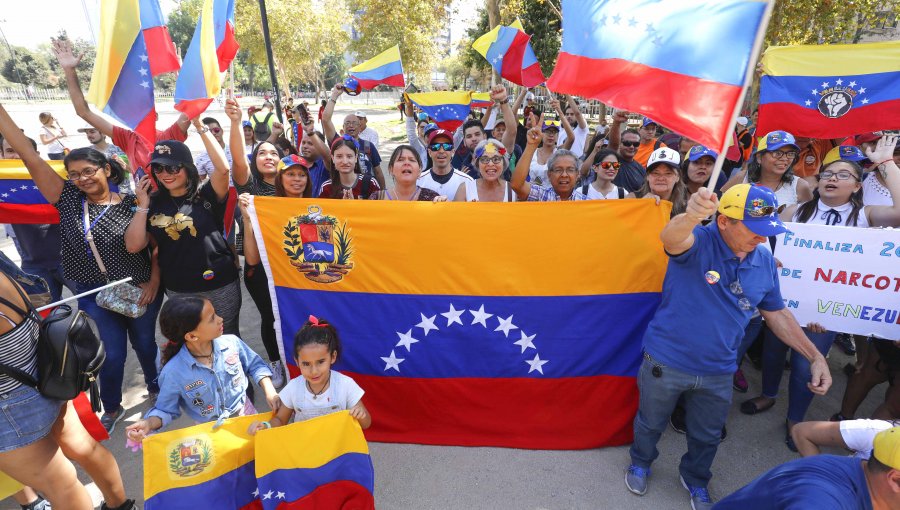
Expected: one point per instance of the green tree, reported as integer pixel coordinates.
(28, 67)
(303, 33)
(826, 21)
(182, 22)
(542, 20)
(412, 24)
(85, 67)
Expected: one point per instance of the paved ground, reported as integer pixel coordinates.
(428, 477)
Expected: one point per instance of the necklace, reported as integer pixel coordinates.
(324, 387)
(207, 356)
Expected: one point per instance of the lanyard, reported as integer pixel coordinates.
(88, 236)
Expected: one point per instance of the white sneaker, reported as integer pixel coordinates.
(277, 373)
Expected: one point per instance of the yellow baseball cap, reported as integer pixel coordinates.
(756, 206)
(887, 447)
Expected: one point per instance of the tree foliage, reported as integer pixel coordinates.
(28, 67)
(542, 21)
(826, 21)
(303, 34)
(412, 24)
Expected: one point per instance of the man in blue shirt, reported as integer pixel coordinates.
(716, 268)
(828, 481)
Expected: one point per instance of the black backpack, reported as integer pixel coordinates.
(261, 130)
(69, 354)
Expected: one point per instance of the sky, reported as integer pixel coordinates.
(31, 23)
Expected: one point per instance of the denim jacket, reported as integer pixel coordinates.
(208, 394)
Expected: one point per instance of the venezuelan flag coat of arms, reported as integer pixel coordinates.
(318, 246)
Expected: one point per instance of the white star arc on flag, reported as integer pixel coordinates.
(453, 316)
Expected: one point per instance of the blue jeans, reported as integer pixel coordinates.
(750, 334)
(706, 399)
(115, 329)
(54, 278)
(799, 396)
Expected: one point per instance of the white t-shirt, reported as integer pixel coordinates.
(822, 216)
(370, 135)
(581, 134)
(204, 164)
(593, 194)
(55, 147)
(859, 435)
(538, 172)
(342, 394)
(448, 189)
(874, 193)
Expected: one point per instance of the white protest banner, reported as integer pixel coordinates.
(846, 279)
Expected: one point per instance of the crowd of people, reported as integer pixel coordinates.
(155, 213)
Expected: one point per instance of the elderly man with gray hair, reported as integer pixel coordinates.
(562, 172)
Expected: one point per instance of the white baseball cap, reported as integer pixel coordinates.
(360, 114)
(664, 155)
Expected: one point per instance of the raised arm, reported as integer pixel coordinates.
(564, 122)
(500, 95)
(327, 124)
(68, 60)
(882, 156)
(48, 182)
(589, 161)
(240, 168)
(579, 118)
(219, 178)
(518, 104)
(487, 115)
(517, 181)
(251, 250)
(678, 235)
(615, 131)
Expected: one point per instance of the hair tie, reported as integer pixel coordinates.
(313, 321)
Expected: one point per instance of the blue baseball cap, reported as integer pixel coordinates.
(648, 121)
(698, 151)
(755, 206)
(246, 124)
(845, 153)
(776, 140)
(352, 86)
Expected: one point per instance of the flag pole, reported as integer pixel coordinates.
(748, 78)
(265, 27)
(88, 293)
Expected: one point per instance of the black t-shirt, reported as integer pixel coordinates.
(193, 253)
(108, 224)
(631, 175)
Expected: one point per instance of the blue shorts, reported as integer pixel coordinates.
(26, 416)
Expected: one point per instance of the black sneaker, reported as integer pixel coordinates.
(109, 420)
(678, 420)
(127, 505)
(39, 504)
(845, 342)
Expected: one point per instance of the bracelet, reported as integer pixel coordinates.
(267, 424)
(883, 162)
(505, 101)
(142, 209)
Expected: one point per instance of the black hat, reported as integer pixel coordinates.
(172, 153)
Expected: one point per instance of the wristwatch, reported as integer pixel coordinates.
(203, 129)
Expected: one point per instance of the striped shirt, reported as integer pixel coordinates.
(18, 349)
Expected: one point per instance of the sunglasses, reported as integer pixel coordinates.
(169, 169)
(443, 145)
(216, 130)
(630, 144)
(606, 165)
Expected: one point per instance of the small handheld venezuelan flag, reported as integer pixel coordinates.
(508, 50)
(385, 68)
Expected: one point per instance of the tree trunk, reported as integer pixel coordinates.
(493, 11)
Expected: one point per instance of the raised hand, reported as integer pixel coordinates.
(702, 204)
(499, 94)
(65, 53)
(233, 110)
(533, 138)
(883, 150)
(620, 117)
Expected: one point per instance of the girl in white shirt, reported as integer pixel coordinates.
(605, 168)
(321, 390)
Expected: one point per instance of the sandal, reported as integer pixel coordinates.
(750, 407)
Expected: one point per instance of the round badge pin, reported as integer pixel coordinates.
(712, 277)
(208, 274)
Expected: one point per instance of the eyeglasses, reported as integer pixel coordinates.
(490, 159)
(171, 170)
(783, 154)
(631, 144)
(841, 176)
(606, 165)
(564, 171)
(85, 172)
(438, 146)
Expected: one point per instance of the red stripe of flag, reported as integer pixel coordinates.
(684, 101)
(807, 122)
(34, 214)
(227, 50)
(394, 81)
(160, 50)
(516, 406)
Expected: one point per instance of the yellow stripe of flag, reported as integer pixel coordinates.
(120, 23)
(208, 56)
(385, 57)
(832, 59)
(15, 169)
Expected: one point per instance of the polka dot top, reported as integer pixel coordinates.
(109, 224)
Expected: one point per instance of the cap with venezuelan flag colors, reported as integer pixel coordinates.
(756, 206)
(845, 153)
(776, 140)
(886, 447)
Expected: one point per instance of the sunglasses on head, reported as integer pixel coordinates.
(169, 169)
(606, 165)
(446, 146)
(630, 144)
(756, 212)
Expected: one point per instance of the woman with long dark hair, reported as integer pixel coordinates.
(186, 222)
(837, 201)
(664, 180)
(772, 166)
(92, 212)
(347, 178)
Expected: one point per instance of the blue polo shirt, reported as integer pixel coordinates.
(820, 481)
(708, 298)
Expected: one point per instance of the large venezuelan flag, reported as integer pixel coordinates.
(319, 463)
(211, 51)
(385, 68)
(198, 467)
(20, 200)
(448, 109)
(508, 50)
(830, 91)
(122, 80)
(516, 325)
(683, 62)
